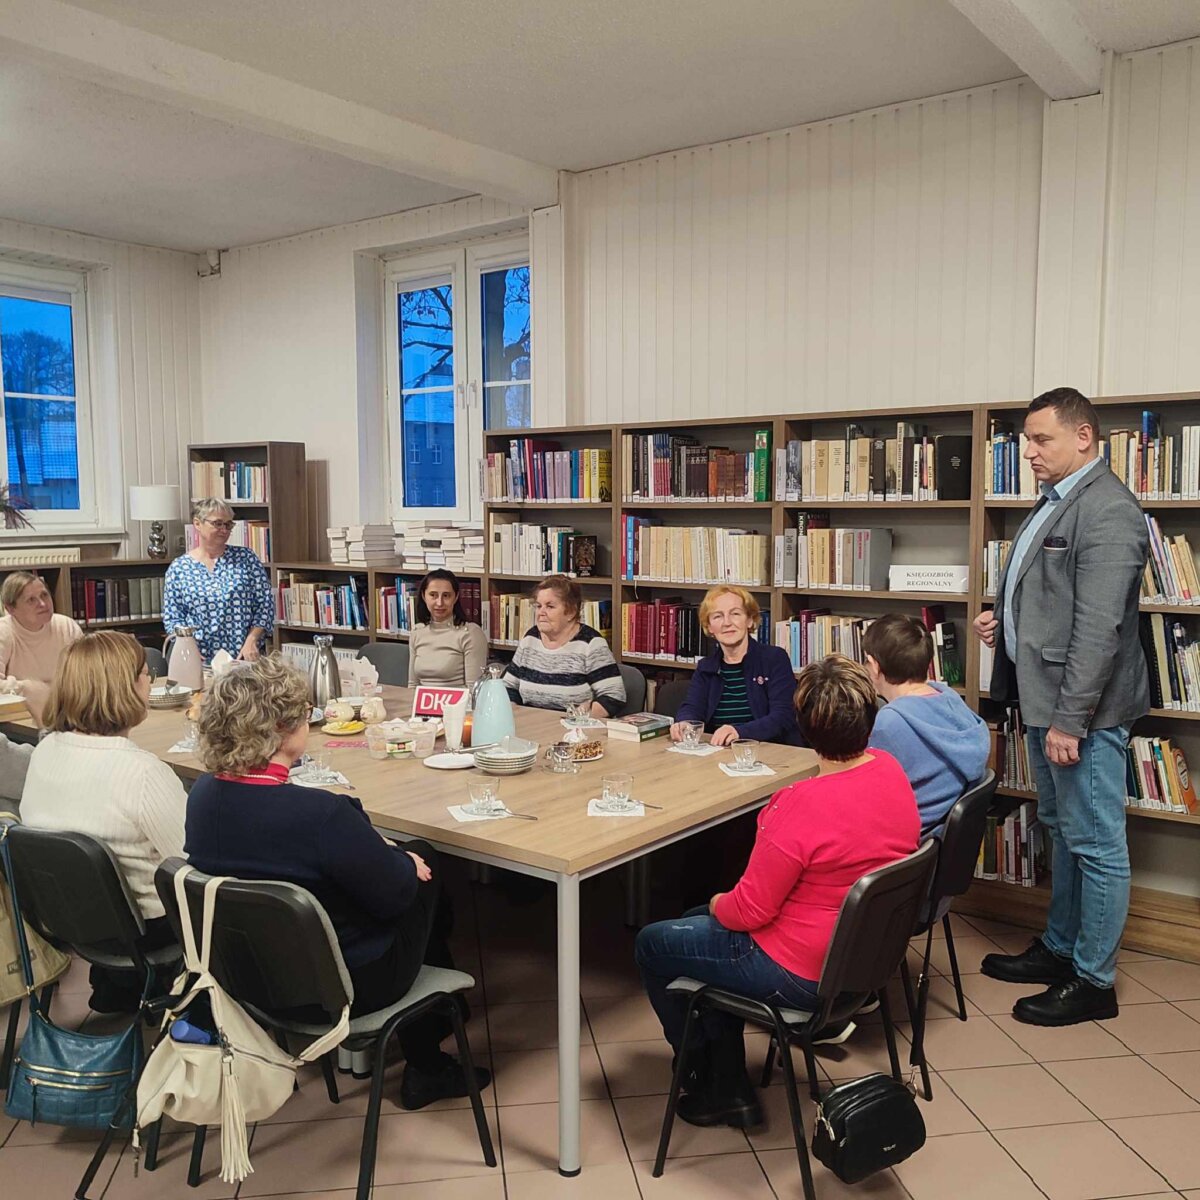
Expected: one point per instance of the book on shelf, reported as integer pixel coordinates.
(232, 480)
(520, 548)
(639, 727)
(1172, 662)
(1013, 848)
(395, 603)
(668, 629)
(995, 555)
(536, 469)
(1157, 776)
(670, 466)
(254, 535)
(1009, 751)
(928, 577)
(423, 545)
(508, 616)
(1169, 576)
(107, 599)
(693, 554)
(367, 545)
(848, 558)
(321, 603)
(1007, 472)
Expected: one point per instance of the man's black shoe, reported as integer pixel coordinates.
(424, 1086)
(1035, 965)
(738, 1107)
(1067, 1004)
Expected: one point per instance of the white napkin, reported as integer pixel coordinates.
(759, 769)
(308, 781)
(459, 813)
(183, 748)
(221, 662)
(701, 751)
(594, 810)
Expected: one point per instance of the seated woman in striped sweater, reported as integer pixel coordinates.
(562, 661)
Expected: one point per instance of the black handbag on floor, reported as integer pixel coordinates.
(865, 1126)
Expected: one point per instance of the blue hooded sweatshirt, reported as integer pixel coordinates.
(941, 744)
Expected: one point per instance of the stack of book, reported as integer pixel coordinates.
(1170, 573)
(106, 600)
(423, 545)
(367, 545)
(693, 554)
(1172, 662)
(995, 554)
(230, 481)
(394, 609)
(1013, 848)
(321, 604)
(1009, 754)
(519, 548)
(669, 466)
(507, 617)
(904, 463)
(256, 535)
(1157, 777)
(535, 470)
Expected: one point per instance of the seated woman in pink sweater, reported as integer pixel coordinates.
(768, 936)
(32, 639)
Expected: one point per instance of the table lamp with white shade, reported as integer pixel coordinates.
(156, 504)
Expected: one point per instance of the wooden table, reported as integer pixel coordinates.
(564, 845)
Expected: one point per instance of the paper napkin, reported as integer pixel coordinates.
(759, 769)
(594, 810)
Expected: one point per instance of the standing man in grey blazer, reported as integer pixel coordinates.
(1065, 632)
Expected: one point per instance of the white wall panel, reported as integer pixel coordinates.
(880, 259)
(547, 332)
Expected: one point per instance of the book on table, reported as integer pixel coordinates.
(639, 727)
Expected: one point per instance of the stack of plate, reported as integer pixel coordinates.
(512, 756)
(169, 694)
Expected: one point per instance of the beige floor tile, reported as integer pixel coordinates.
(783, 1170)
(531, 1076)
(1183, 1069)
(864, 1052)
(962, 928)
(1121, 1087)
(531, 1026)
(1011, 1097)
(35, 1171)
(514, 979)
(1190, 1007)
(644, 1068)
(531, 1136)
(1169, 979)
(50, 1136)
(1053, 1044)
(993, 929)
(1127, 956)
(713, 1177)
(1155, 1029)
(1132, 991)
(1191, 1195)
(608, 1181)
(969, 950)
(627, 1018)
(1170, 1144)
(598, 980)
(994, 996)
(641, 1123)
(1079, 1162)
(945, 1113)
(775, 1133)
(942, 1001)
(76, 978)
(944, 1168)
(916, 955)
(951, 1044)
(1015, 943)
(479, 1187)
(170, 1176)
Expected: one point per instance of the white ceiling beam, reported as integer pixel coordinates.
(96, 48)
(1045, 38)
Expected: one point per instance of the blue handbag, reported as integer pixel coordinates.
(63, 1077)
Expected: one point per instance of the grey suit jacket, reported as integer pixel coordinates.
(1079, 663)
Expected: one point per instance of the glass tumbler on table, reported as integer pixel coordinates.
(423, 741)
(691, 734)
(485, 799)
(615, 796)
(377, 742)
(745, 755)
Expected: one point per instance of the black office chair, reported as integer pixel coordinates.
(157, 662)
(390, 659)
(635, 690)
(959, 842)
(274, 950)
(670, 696)
(869, 942)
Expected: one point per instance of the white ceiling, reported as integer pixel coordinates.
(1125, 25)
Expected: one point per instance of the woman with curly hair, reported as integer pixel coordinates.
(247, 820)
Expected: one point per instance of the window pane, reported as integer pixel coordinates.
(38, 349)
(506, 325)
(506, 406)
(43, 452)
(427, 337)
(428, 427)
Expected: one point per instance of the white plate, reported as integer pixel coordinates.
(450, 762)
(582, 723)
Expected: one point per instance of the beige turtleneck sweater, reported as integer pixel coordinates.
(442, 653)
(29, 661)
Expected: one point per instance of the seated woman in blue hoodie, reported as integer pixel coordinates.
(743, 689)
(925, 726)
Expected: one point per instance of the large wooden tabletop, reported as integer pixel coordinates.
(406, 797)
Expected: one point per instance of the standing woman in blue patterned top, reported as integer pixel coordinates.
(222, 591)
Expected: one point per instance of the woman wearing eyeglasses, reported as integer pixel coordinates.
(219, 590)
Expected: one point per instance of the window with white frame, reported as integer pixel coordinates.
(458, 363)
(47, 464)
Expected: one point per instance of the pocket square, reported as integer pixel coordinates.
(1054, 543)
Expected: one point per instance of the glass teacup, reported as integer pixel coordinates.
(745, 755)
(615, 797)
(485, 798)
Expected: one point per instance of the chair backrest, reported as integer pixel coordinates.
(961, 837)
(72, 891)
(874, 925)
(635, 689)
(156, 661)
(390, 659)
(273, 944)
(670, 696)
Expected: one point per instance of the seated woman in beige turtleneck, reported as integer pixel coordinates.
(32, 639)
(445, 648)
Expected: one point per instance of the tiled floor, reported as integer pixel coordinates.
(1095, 1111)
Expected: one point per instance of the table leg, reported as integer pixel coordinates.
(568, 1025)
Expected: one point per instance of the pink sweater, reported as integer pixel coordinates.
(815, 840)
(29, 661)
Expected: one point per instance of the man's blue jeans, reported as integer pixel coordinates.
(700, 947)
(1083, 809)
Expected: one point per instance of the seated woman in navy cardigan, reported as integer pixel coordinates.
(246, 820)
(744, 688)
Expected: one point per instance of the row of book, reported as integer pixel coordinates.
(1170, 573)
(1013, 848)
(1006, 470)
(853, 559)
(1172, 662)
(862, 466)
(230, 481)
(669, 630)
(693, 554)
(995, 555)
(518, 548)
(1157, 776)
(1008, 755)
(321, 604)
(116, 598)
(508, 617)
(536, 469)
(675, 466)
(255, 535)
(424, 545)
(360, 545)
(395, 604)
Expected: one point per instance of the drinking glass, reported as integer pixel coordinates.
(615, 797)
(423, 741)
(485, 800)
(377, 743)
(745, 755)
(691, 734)
(580, 713)
(191, 735)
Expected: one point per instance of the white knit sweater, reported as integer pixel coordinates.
(114, 791)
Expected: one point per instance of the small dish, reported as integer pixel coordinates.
(450, 762)
(341, 728)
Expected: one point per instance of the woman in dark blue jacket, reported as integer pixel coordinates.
(744, 688)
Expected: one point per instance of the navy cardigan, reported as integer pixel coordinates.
(770, 686)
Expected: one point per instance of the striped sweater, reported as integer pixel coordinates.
(584, 669)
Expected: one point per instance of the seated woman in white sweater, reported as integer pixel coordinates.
(445, 648)
(86, 776)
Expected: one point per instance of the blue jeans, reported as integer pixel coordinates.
(1083, 809)
(700, 947)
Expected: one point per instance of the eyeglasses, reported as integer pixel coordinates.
(226, 525)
